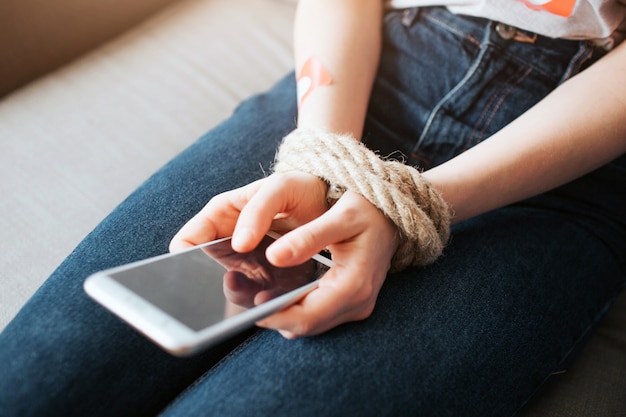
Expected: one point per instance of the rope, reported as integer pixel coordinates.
(397, 190)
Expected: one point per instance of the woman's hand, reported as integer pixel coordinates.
(362, 242)
(361, 239)
(280, 202)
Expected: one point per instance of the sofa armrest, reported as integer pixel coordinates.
(37, 36)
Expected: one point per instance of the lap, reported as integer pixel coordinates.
(475, 333)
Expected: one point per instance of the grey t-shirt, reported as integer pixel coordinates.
(600, 20)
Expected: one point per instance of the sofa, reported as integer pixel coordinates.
(95, 96)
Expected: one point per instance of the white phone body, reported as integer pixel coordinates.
(189, 300)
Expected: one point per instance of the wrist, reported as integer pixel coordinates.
(398, 191)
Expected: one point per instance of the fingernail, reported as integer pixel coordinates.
(279, 253)
(241, 239)
(288, 335)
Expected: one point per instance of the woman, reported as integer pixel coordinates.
(518, 130)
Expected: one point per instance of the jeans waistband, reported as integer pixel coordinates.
(541, 50)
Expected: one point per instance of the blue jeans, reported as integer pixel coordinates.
(514, 296)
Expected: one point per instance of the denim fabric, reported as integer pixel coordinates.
(475, 334)
(445, 83)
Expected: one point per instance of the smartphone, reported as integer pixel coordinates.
(190, 300)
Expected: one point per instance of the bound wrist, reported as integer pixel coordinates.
(398, 191)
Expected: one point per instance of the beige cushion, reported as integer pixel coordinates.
(76, 142)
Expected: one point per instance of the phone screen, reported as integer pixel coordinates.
(205, 285)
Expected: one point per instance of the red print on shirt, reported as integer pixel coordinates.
(562, 8)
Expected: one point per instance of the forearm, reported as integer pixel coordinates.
(345, 36)
(576, 129)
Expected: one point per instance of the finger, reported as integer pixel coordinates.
(256, 216)
(342, 222)
(289, 199)
(216, 219)
(197, 230)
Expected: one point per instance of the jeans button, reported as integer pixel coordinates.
(505, 31)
